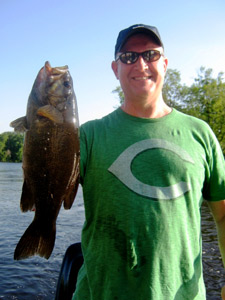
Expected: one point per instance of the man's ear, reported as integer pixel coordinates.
(114, 66)
(165, 64)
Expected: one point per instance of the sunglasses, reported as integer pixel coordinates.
(130, 57)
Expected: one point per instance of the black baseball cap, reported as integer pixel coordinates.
(138, 28)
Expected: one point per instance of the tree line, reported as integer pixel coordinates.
(11, 147)
(204, 99)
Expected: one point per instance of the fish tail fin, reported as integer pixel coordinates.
(35, 242)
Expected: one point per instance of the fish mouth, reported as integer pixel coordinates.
(57, 74)
(56, 70)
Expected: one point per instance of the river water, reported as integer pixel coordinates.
(36, 278)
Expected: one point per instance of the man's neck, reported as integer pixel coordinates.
(146, 109)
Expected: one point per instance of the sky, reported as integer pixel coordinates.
(82, 34)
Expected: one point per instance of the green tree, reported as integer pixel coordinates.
(11, 147)
(206, 100)
(118, 90)
(3, 139)
(173, 90)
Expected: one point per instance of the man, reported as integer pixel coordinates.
(145, 169)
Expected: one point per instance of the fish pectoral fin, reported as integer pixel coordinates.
(73, 187)
(68, 201)
(51, 113)
(20, 124)
(26, 201)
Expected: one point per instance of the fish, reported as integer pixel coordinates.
(51, 158)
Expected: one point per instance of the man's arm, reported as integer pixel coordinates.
(218, 211)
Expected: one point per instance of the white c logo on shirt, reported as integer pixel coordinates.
(122, 170)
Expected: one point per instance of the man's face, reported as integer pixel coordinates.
(141, 79)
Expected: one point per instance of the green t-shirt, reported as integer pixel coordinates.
(143, 185)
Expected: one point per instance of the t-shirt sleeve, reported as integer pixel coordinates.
(83, 154)
(214, 185)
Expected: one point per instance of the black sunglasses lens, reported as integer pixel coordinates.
(129, 57)
(151, 55)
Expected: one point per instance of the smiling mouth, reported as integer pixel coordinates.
(142, 78)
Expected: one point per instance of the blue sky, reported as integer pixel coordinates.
(82, 35)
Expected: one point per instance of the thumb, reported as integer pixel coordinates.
(223, 292)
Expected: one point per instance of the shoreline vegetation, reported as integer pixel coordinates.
(204, 99)
(11, 147)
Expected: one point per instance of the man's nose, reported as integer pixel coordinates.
(141, 63)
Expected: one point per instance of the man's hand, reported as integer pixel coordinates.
(223, 292)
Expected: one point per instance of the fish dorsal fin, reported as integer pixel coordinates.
(20, 124)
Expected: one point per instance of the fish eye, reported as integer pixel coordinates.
(67, 84)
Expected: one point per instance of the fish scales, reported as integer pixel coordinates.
(50, 158)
